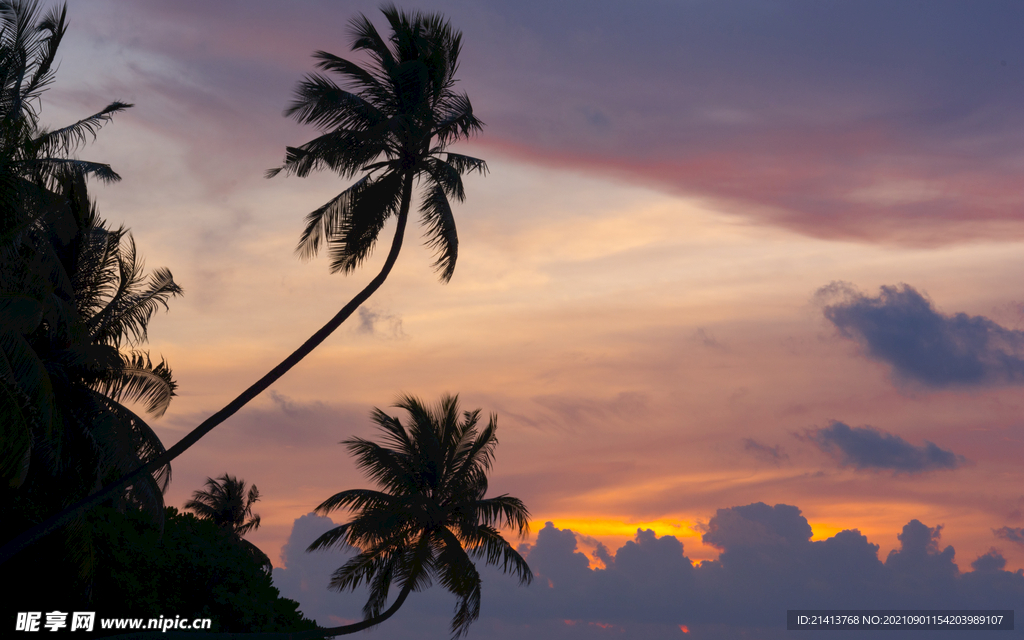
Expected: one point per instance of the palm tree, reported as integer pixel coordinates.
(72, 365)
(74, 305)
(394, 125)
(430, 518)
(227, 504)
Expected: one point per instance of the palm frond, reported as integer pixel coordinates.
(360, 225)
(322, 103)
(466, 164)
(67, 139)
(55, 170)
(366, 38)
(145, 442)
(369, 83)
(488, 544)
(139, 380)
(54, 24)
(456, 121)
(390, 469)
(114, 269)
(356, 499)
(460, 577)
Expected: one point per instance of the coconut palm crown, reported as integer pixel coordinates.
(391, 122)
(429, 519)
(226, 502)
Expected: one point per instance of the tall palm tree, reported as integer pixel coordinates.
(226, 502)
(430, 518)
(393, 123)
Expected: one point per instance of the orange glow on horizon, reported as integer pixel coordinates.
(619, 528)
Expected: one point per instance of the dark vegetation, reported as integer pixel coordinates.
(75, 304)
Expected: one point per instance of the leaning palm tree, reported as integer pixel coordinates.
(430, 518)
(392, 122)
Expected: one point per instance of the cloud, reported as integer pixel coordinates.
(1013, 534)
(801, 117)
(379, 324)
(575, 411)
(775, 455)
(870, 448)
(794, 117)
(704, 337)
(306, 576)
(648, 588)
(991, 561)
(901, 328)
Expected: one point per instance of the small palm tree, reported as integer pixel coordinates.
(227, 503)
(430, 518)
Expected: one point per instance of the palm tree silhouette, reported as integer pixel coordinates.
(226, 502)
(430, 518)
(74, 306)
(394, 125)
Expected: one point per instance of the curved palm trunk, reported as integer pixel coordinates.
(293, 635)
(35, 533)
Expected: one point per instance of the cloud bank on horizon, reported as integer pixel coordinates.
(649, 589)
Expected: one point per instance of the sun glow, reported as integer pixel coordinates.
(614, 528)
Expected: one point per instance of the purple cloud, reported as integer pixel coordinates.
(868, 448)
(901, 328)
(649, 588)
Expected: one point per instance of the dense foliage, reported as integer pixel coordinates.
(194, 569)
(75, 303)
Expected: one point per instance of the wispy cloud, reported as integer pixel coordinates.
(765, 453)
(1011, 534)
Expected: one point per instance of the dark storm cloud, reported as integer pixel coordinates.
(648, 588)
(901, 328)
(870, 448)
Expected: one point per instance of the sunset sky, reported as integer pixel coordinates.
(726, 254)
